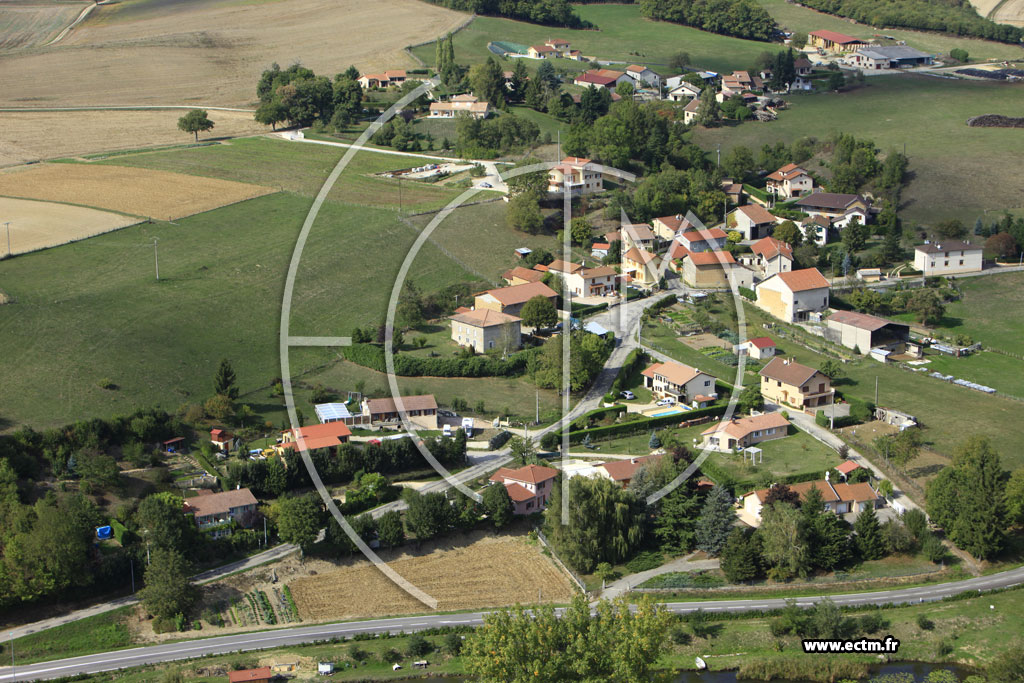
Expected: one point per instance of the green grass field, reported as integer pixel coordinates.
(798, 453)
(989, 311)
(1003, 373)
(947, 412)
(99, 633)
(951, 164)
(622, 35)
(796, 18)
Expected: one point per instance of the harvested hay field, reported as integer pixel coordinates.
(29, 24)
(210, 52)
(38, 136)
(37, 225)
(488, 572)
(139, 192)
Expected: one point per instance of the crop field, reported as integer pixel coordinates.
(154, 194)
(950, 164)
(37, 225)
(41, 135)
(490, 571)
(1007, 12)
(622, 35)
(29, 24)
(796, 18)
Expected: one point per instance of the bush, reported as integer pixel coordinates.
(418, 646)
(644, 561)
(873, 623)
(453, 644)
(499, 440)
(821, 419)
(748, 294)
(924, 623)
(356, 653)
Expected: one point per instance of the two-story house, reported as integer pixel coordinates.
(529, 487)
(577, 176)
(793, 295)
(667, 227)
(599, 281)
(786, 382)
(771, 257)
(707, 239)
(644, 77)
(752, 221)
(947, 256)
(216, 509)
(510, 300)
(789, 181)
(840, 209)
(485, 329)
(680, 382)
(639, 235)
(641, 267)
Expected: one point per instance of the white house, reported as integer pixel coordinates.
(753, 221)
(681, 382)
(946, 257)
(758, 347)
(771, 257)
(576, 175)
(838, 208)
(469, 105)
(789, 181)
(839, 498)
(683, 91)
(644, 76)
(792, 296)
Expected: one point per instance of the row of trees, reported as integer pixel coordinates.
(298, 96)
(547, 12)
(740, 18)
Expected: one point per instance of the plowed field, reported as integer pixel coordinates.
(37, 225)
(491, 571)
(140, 192)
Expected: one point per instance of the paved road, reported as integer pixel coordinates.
(296, 635)
(271, 555)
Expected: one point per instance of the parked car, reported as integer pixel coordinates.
(487, 185)
(445, 413)
(666, 402)
(446, 430)
(628, 395)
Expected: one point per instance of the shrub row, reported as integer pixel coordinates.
(372, 356)
(121, 533)
(638, 426)
(748, 293)
(583, 310)
(499, 439)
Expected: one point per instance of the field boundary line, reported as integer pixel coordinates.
(125, 107)
(554, 556)
(447, 253)
(409, 48)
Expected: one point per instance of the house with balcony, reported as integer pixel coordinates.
(789, 181)
(529, 487)
(577, 176)
(840, 209)
(680, 382)
(211, 510)
(786, 382)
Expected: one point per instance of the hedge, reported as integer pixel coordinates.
(596, 414)
(583, 310)
(372, 356)
(748, 293)
(499, 440)
(635, 359)
(638, 426)
(121, 533)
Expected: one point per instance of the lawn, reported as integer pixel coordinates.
(514, 397)
(639, 444)
(985, 308)
(798, 453)
(660, 337)
(950, 164)
(92, 310)
(1003, 373)
(942, 408)
(99, 633)
(622, 35)
(797, 18)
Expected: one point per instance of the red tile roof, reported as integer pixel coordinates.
(756, 213)
(741, 427)
(847, 466)
(381, 406)
(220, 503)
(527, 274)
(624, 470)
(533, 474)
(639, 255)
(762, 342)
(318, 436)
(790, 372)
(518, 294)
(834, 37)
(787, 171)
(676, 373)
(712, 258)
(519, 494)
(675, 223)
(260, 674)
(803, 280)
(769, 248)
(485, 317)
(861, 321)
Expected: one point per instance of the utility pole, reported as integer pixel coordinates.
(8, 226)
(719, 155)
(536, 417)
(264, 532)
(399, 195)
(156, 258)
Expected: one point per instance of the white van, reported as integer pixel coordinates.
(467, 426)
(446, 430)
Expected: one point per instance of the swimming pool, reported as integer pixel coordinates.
(670, 411)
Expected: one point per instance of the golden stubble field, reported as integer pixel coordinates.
(489, 571)
(140, 192)
(210, 52)
(37, 225)
(37, 136)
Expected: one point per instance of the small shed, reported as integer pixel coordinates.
(523, 252)
(880, 354)
(325, 668)
(260, 675)
(174, 445)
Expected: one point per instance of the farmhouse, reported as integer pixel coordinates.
(706, 239)
(947, 257)
(864, 332)
(739, 433)
(793, 296)
(785, 381)
(644, 76)
(510, 300)
(830, 41)
(683, 91)
(667, 227)
(599, 281)
(758, 347)
(541, 52)
(469, 105)
(752, 221)
(521, 276)
(771, 257)
(261, 675)
(789, 181)
(214, 509)
(529, 487)
(681, 382)
(422, 410)
(875, 58)
(577, 175)
(641, 266)
(708, 269)
(639, 235)
(839, 498)
(388, 78)
(485, 329)
(840, 209)
(313, 437)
